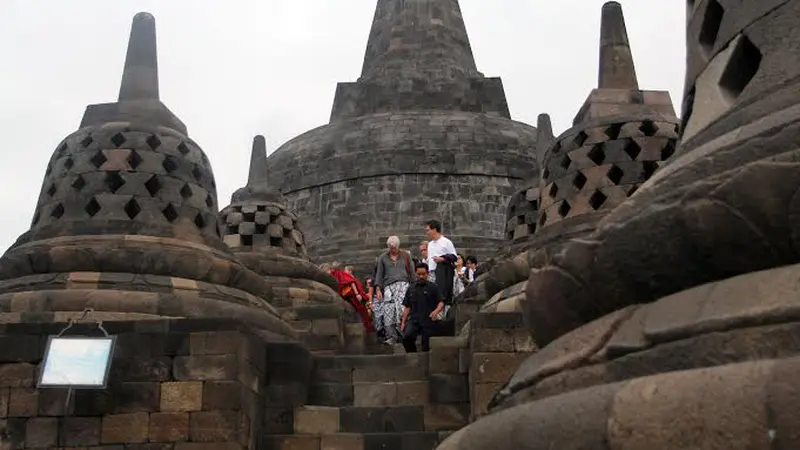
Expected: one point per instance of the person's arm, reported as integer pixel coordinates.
(436, 293)
(406, 309)
(355, 289)
(379, 279)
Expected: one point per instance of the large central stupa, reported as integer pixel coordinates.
(421, 135)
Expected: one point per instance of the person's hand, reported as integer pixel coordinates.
(435, 315)
(439, 259)
(379, 294)
(359, 298)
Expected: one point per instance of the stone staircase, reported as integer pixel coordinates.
(372, 402)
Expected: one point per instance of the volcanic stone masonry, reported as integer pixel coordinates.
(421, 135)
(644, 294)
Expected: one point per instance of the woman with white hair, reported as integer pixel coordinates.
(391, 283)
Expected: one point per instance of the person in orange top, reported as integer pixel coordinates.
(351, 290)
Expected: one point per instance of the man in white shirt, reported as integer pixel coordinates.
(441, 256)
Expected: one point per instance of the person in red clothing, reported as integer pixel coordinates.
(353, 291)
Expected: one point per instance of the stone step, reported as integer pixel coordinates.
(317, 420)
(356, 362)
(422, 440)
(371, 393)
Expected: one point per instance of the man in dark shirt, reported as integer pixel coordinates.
(422, 305)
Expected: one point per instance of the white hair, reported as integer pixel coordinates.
(393, 242)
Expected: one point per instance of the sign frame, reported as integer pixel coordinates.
(108, 362)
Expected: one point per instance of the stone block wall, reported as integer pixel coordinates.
(498, 344)
(471, 208)
(174, 385)
(355, 182)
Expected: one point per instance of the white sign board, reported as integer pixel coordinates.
(77, 362)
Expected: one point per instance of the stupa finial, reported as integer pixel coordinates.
(140, 76)
(617, 70)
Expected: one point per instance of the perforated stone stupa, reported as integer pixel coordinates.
(408, 142)
(126, 221)
(264, 234)
(620, 137)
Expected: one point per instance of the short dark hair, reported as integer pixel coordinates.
(471, 259)
(434, 225)
(421, 265)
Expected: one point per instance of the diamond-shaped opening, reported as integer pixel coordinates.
(183, 148)
(57, 211)
(169, 164)
(553, 190)
(134, 160)
(79, 183)
(200, 221)
(170, 213)
(261, 228)
(250, 217)
(118, 139)
(68, 163)
(546, 173)
(597, 154)
(564, 209)
(275, 242)
(153, 142)
(132, 208)
(197, 173)
(51, 191)
(556, 147)
(579, 181)
(565, 162)
(186, 191)
(712, 21)
(668, 151)
(741, 68)
(153, 185)
(632, 149)
(98, 159)
(649, 128)
(233, 229)
(62, 148)
(114, 181)
(87, 141)
(612, 131)
(615, 174)
(209, 200)
(247, 239)
(580, 138)
(92, 208)
(650, 168)
(597, 200)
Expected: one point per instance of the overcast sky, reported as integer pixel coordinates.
(235, 68)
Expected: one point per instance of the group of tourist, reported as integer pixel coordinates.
(408, 297)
